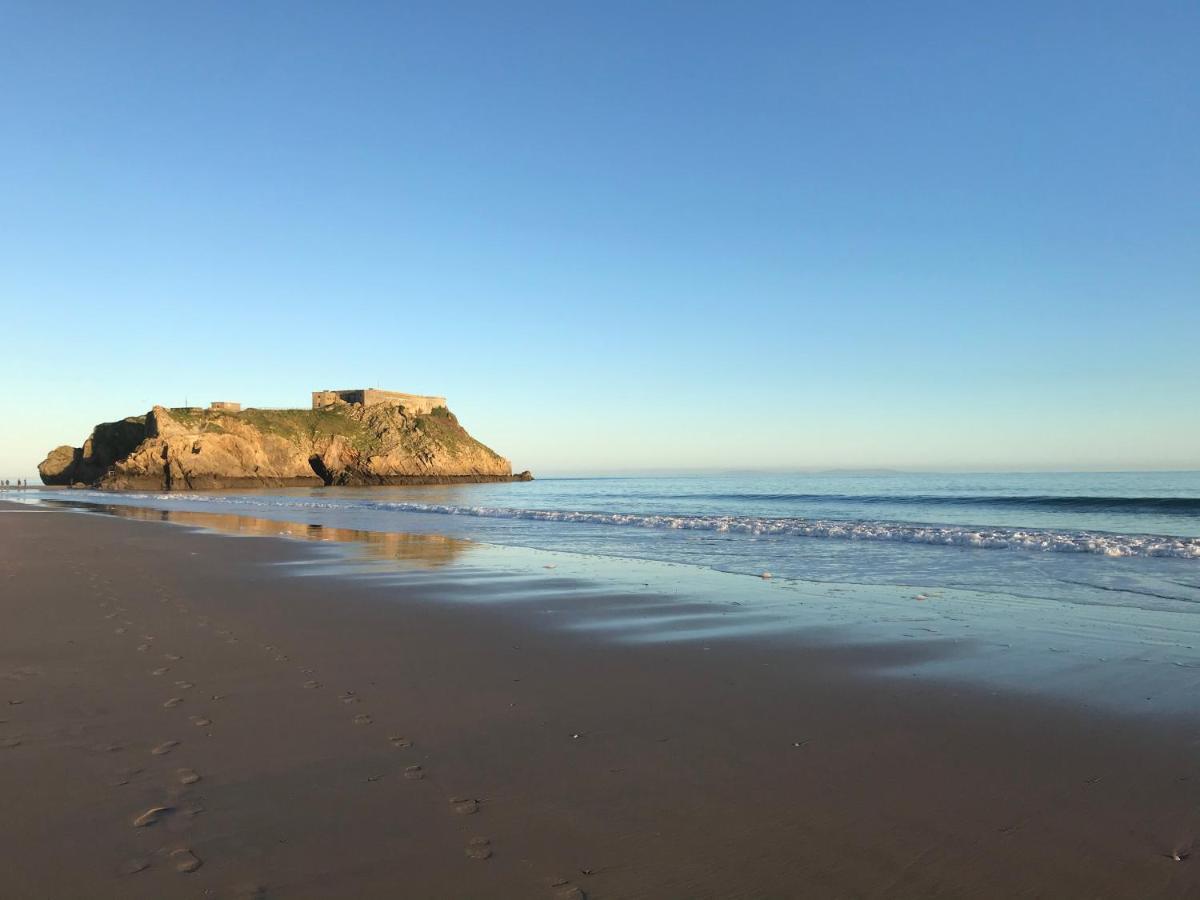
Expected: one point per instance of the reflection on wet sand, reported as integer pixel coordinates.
(409, 550)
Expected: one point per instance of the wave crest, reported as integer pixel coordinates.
(986, 538)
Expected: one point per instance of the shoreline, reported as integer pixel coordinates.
(207, 483)
(779, 765)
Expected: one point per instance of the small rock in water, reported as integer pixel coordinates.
(765, 575)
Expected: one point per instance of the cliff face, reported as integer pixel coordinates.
(193, 449)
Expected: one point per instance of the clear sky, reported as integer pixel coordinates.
(616, 235)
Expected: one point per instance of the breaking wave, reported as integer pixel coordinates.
(987, 538)
(1180, 506)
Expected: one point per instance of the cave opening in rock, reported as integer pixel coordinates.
(318, 466)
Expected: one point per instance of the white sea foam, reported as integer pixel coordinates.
(987, 538)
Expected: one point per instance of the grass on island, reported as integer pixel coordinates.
(439, 427)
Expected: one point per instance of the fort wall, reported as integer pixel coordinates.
(419, 404)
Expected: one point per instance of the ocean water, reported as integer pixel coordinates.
(1080, 587)
(1108, 539)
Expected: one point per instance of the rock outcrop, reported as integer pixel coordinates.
(347, 444)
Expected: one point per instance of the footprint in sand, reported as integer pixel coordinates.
(142, 648)
(184, 685)
(349, 697)
(152, 816)
(185, 860)
(312, 685)
(10, 743)
(414, 773)
(200, 721)
(125, 776)
(118, 631)
(172, 657)
(250, 891)
(464, 806)
(363, 719)
(187, 776)
(172, 703)
(164, 748)
(479, 848)
(133, 866)
(400, 743)
(162, 670)
(564, 890)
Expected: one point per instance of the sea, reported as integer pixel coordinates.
(1064, 567)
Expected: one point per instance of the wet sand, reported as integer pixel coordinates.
(180, 719)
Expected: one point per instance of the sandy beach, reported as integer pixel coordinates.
(179, 718)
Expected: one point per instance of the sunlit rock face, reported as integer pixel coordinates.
(345, 444)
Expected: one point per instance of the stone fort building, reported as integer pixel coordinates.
(419, 404)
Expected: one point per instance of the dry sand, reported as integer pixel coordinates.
(177, 719)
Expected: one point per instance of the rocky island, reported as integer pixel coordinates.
(356, 437)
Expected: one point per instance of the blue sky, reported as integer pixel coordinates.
(616, 235)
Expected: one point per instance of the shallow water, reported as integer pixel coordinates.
(1122, 539)
(1115, 631)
